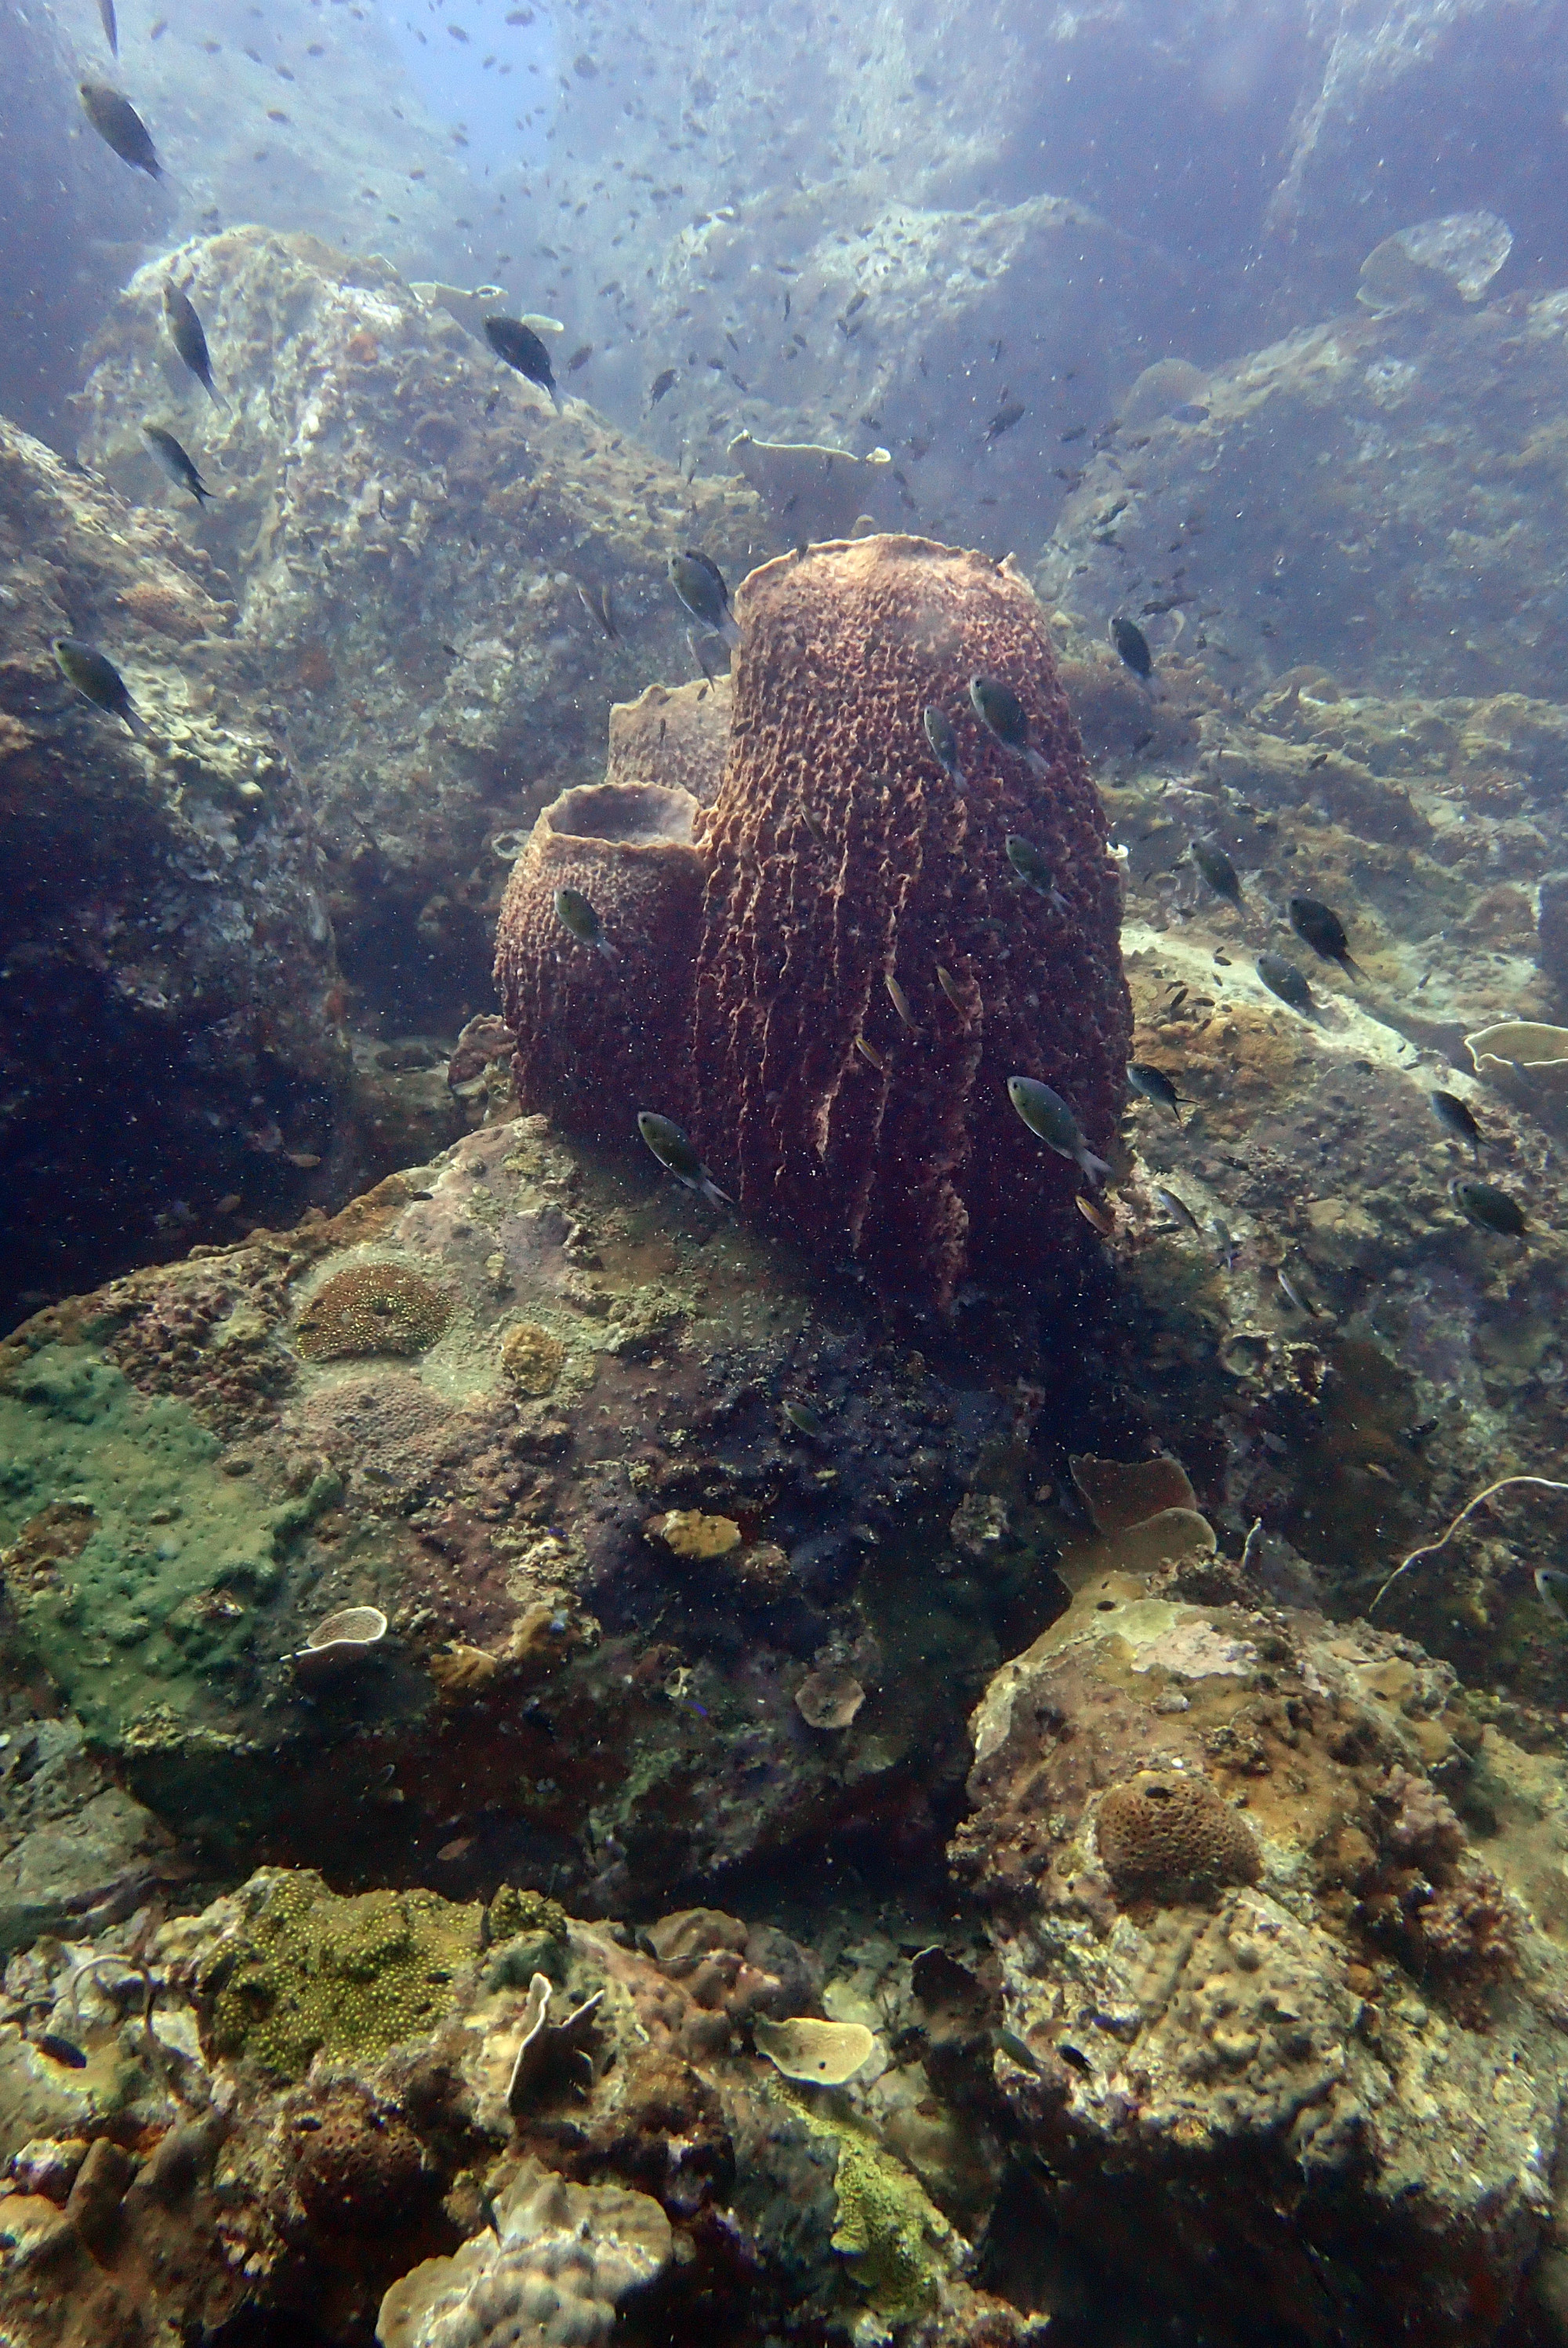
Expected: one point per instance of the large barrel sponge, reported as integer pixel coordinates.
(841, 856)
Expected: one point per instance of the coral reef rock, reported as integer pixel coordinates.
(165, 929)
(844, 1094)
(522, 1406)
(381, 425)
(560, 2258)
(1284, 2013)
(1383, 441)
(416, 2166)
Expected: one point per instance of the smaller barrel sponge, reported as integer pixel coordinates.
(306, 1970)
(1165, 1834)
(552, 2273)
(598, 1025)
(371, 1308)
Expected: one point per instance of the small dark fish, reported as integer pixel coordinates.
(1134, 645)
(1177, 1209)
(60, 2050)
(699, 584)
(944, 745)
(1189, 412)
(1013, 2046)
(1011, 412)
(96, 677)
(1047, 1115)
(1092, 1213)
(188, 335)
(1320, 927)
(521, 348)
(1283, 978)
(664, 381)
(574, 912)
(677, 1157)
(1155, 1086)
(1034, 870)
(111, 30)
(871, 1055)
(1001, 712)
(579, 358)
(595, 602)
(176, 463)
(801, 1416)
(950, 988)
(1493, 1208)
(1451, 1112)
(1217, 870)
(1294, 1293)
(119, 126)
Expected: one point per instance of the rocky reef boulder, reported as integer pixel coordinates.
(1311, 506)
(1288, 2013)
(472, 1516)
(172, 1026)
(420, 549)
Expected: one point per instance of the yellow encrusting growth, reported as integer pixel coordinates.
(307, 1970)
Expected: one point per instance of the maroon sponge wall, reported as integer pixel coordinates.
(839, 854)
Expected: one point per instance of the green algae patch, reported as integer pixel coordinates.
(896, 2243)
(307, 1970)
(150, 1606)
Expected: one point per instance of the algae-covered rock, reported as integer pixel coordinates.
(298, 1970)
(191, 1492)
(895, 2242)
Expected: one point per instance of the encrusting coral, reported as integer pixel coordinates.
(371, 1308)
(305, 1970)
(840, 1089)
(1166, 1833)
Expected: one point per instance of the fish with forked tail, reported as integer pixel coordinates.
(522, 349)
(699, 584)
(1048, 1115)
(677, 1157)
(96, 677)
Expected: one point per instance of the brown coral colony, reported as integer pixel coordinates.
(845, 1095)
(374, 1308)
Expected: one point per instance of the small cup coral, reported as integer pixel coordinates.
(1167, 1834)
(371, 1308)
